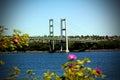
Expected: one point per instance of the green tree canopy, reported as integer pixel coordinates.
(8, 43)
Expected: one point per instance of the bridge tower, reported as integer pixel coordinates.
(51, 34)
(63, 29)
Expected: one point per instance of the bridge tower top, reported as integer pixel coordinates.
(51, 27)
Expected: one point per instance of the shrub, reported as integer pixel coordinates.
(76, 70)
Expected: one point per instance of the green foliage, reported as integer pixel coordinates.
(51, 75)
(38, 46)
(2, 30)
(23, 40)
(30, 74)
(3, 38)
(110, 44)
(2, 62)
(76, 46)
(76, 70)
(7, 42)
(15, 72)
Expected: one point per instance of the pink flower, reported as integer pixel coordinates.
(15, 40)
(98, 70)
(72, 56)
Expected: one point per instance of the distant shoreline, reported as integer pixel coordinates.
(93, 50)
(98, 50)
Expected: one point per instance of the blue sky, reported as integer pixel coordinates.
(84, 17)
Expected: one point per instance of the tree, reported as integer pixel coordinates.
(2, 30)
(20, 41)
(16, 42)
(3, 38)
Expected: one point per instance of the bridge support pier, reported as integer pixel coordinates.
(63, 28)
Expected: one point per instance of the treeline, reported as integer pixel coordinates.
(114, 44)
(76, 43)
(75, 46)
(82, 37)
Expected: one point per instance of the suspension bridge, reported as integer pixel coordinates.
(63, 31)
(63, 38)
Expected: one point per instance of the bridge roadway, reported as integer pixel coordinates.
(47, 39)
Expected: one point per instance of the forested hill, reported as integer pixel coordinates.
(76, 43)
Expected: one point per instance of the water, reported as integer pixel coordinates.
(108, 61)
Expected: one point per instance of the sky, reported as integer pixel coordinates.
(83, 17)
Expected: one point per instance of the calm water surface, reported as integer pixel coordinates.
(108, 61)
